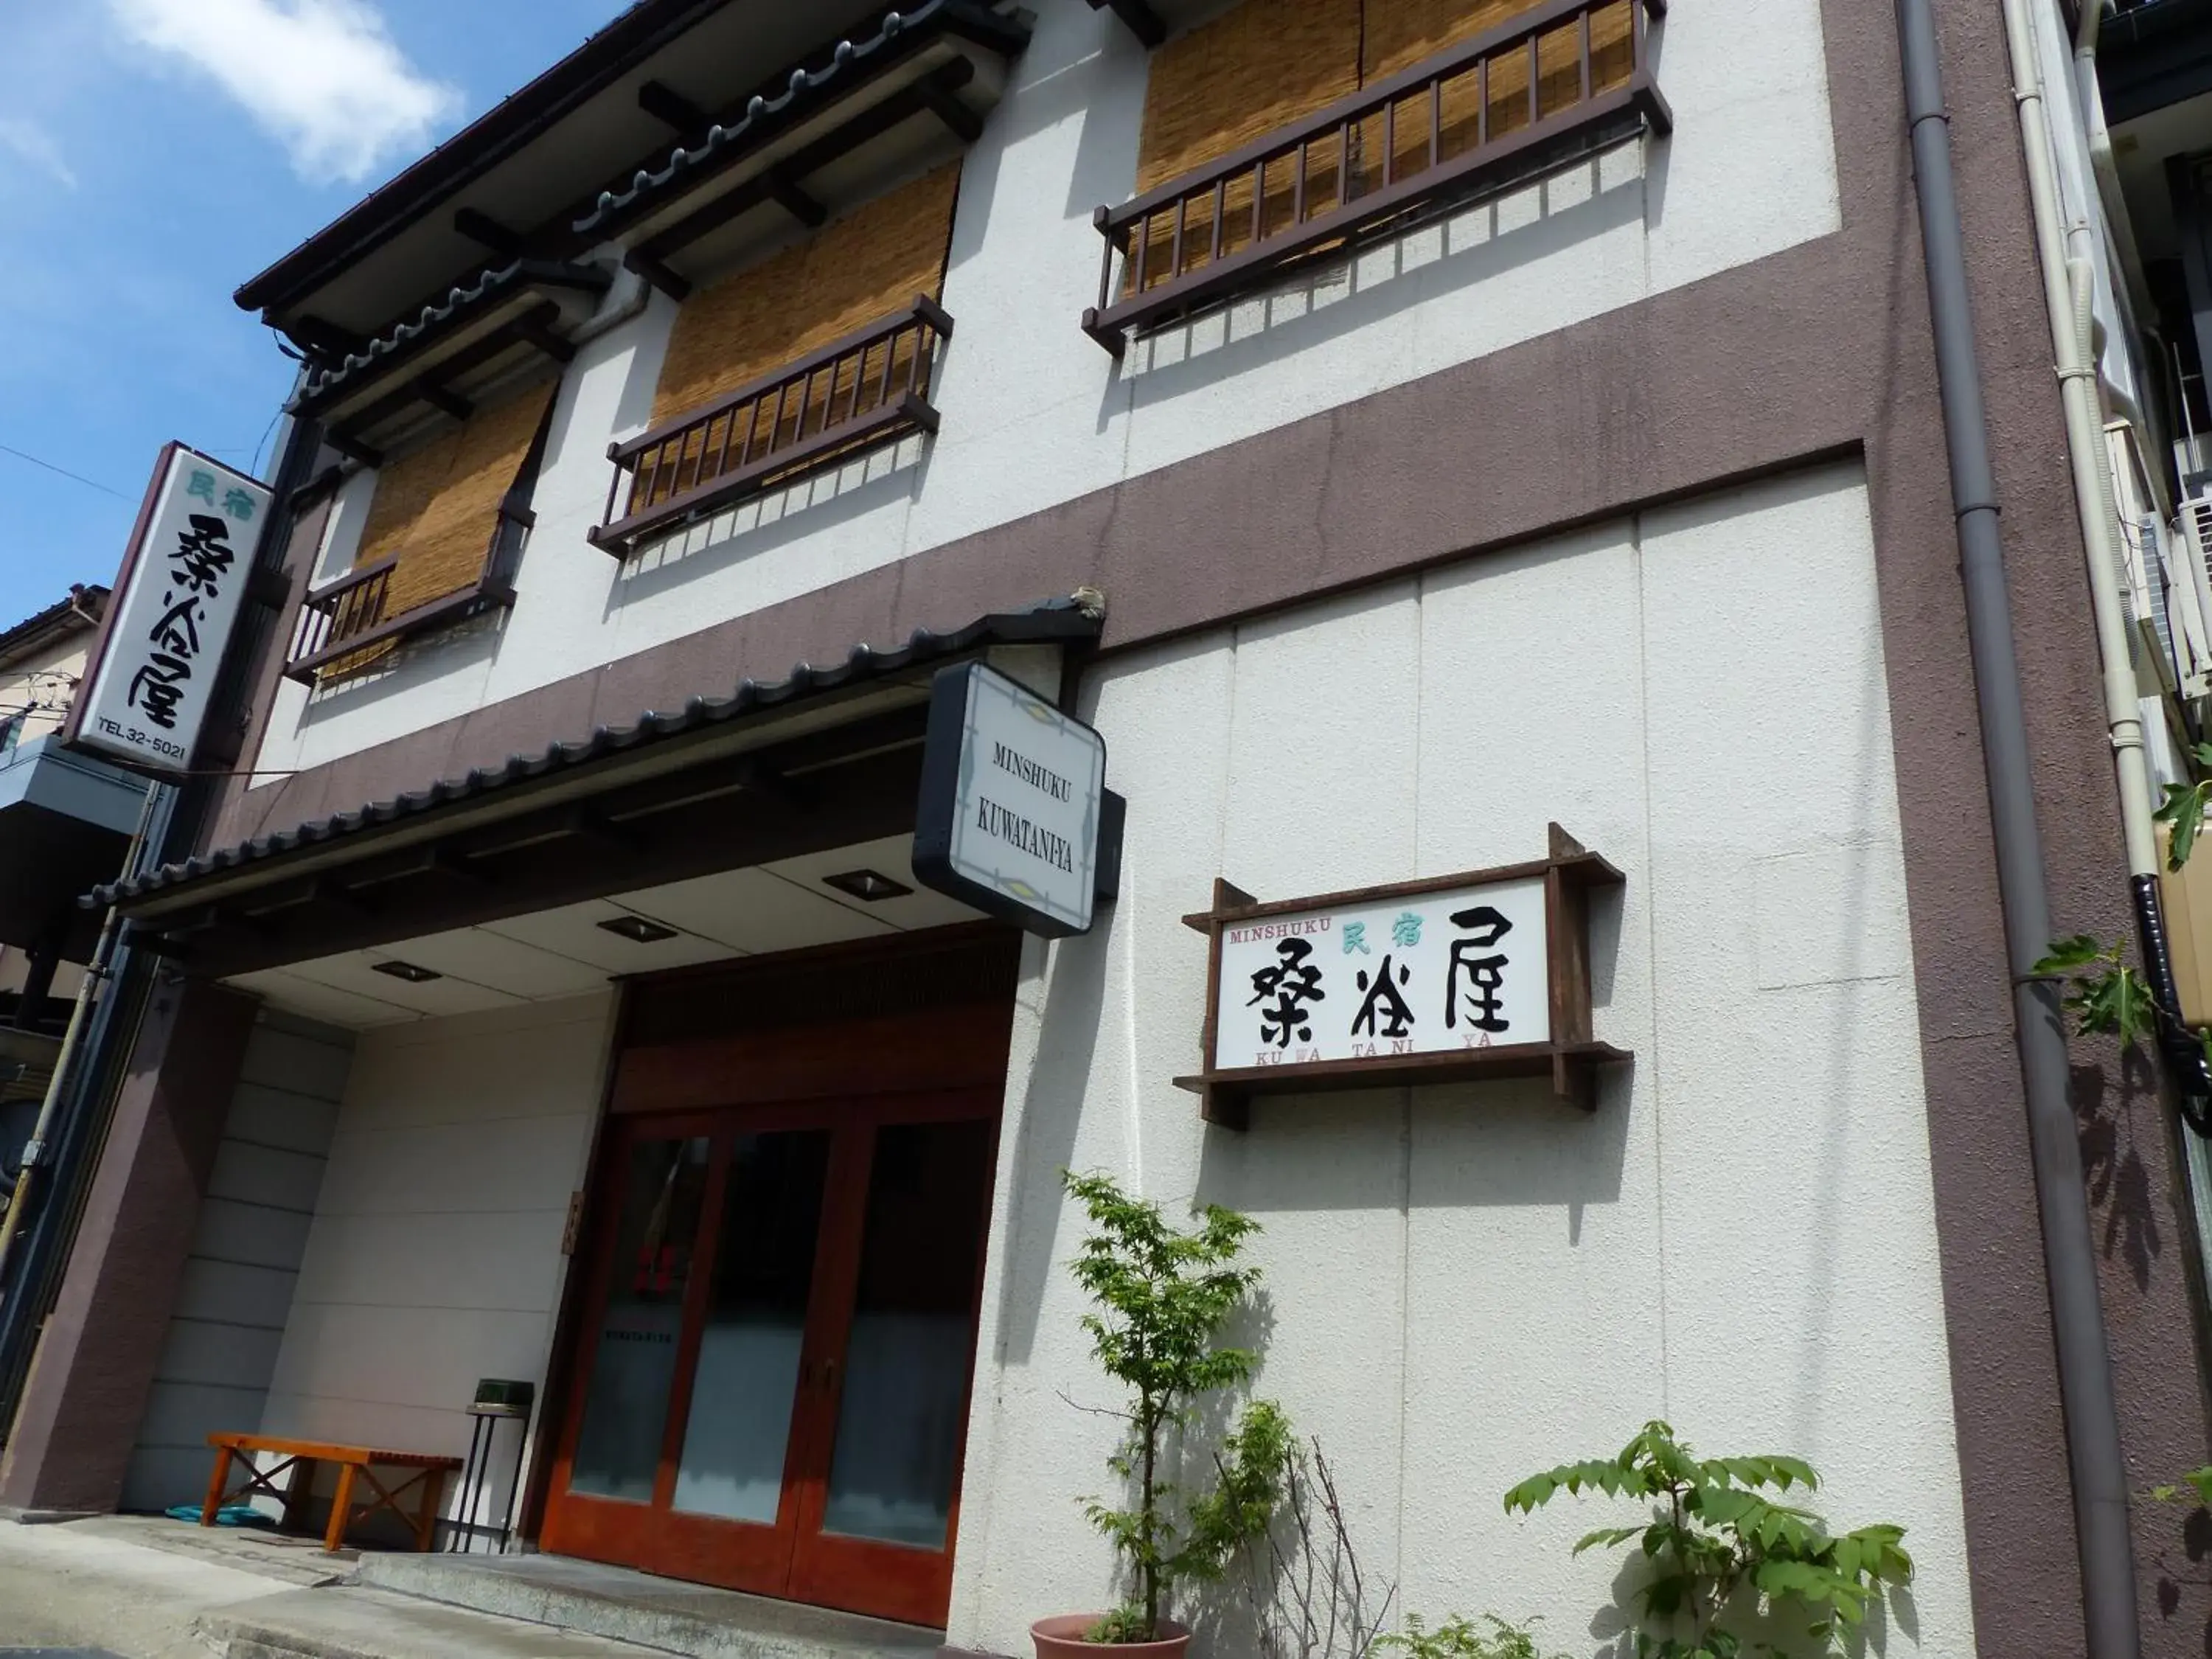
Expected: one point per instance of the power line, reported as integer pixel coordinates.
(75, 477)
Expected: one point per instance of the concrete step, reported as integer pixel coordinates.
(665, 1613)
(344, 1622)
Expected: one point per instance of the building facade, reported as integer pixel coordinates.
(1413, 433)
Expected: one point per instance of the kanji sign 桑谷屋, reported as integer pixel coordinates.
(1460, 969)
(149, 685)
(1449, 979)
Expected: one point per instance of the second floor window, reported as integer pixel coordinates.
(442, 533)
(1283, 129)
(785, 364)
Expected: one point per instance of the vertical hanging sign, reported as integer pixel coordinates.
(1015, 817)
(149, 687)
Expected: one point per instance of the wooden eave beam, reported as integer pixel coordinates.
(1142, 21)
(794, 201)
(866, 126)
(481, 227)
(962, 122)
(326, 339)
(443, 397)
(646, 266)
(353, 448)
(535, 331)
(672, 108)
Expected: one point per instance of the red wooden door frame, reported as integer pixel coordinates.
(794, 1558)
(896, 1581)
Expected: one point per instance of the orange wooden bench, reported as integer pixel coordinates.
(300, 1457)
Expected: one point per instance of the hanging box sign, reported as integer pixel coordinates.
(150, 683)
(1484, 975)
(1014, 818)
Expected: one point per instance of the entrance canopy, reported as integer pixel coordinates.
(776, 817)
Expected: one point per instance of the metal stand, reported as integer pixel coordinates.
(497, 1401)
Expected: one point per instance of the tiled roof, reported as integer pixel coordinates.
(847, 55)
(1078, 617)
(463, 297)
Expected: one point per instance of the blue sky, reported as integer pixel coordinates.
(153, 153)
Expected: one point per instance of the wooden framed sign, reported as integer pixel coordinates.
(1483, 975)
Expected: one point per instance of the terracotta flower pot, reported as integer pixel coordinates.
(1062, 1639)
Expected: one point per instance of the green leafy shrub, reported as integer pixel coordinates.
(1459, 1639)
(1713, 1536)
(1162, 1296)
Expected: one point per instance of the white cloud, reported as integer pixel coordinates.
(28, 142)
(325, 78)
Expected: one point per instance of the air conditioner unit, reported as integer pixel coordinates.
(2192, 545)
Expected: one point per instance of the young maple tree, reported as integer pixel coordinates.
(1162, 1296)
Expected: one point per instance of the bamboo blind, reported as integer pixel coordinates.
(847, 275)
(1401, 33)
(437, 508)
(1241, 75)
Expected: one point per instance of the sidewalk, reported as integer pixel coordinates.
(148, 1588)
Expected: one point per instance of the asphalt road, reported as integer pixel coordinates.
(99, 1595)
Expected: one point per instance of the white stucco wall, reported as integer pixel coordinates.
(434, 1255)
(1034, 414)
(1470, 1284)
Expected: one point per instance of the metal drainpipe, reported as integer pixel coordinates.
(2085, 1367)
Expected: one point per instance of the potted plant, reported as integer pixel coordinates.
(1161, 1296)
(1713, 1538)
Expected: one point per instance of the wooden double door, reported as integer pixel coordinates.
(778, 1335)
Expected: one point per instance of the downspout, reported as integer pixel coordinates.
(2085, 1368)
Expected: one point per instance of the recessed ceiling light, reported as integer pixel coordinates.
(866, 885)
(406, 970)
(639, 930)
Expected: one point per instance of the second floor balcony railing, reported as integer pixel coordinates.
(872, 385)
(1561, 81)
(340, 623)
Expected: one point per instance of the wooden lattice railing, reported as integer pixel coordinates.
(1557, 82)
(852, 393)
(339, 625)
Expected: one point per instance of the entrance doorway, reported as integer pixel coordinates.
(775, 1389)
(776, 1302)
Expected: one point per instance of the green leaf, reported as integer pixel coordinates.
(2183, 811)
(2077, 950)
(2115, 1002)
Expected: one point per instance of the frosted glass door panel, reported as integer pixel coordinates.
(634, 1361)
(739, 1427)
(898, 1454)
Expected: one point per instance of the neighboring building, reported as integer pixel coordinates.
(1401, 427)
(66, 820)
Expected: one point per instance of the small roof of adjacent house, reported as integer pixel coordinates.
(79, 612)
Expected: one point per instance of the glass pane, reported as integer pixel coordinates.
(626, 1402)
(747, 1372)
(905, 1364)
